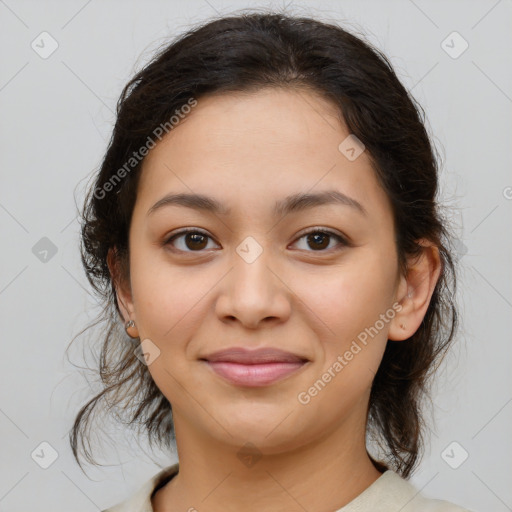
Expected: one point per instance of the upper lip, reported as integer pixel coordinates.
(254, 356)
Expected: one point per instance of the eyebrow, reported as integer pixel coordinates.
(290, 204)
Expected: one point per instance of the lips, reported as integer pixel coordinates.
(255, 356)
(254, 368)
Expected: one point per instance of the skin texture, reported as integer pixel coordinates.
(248, 151)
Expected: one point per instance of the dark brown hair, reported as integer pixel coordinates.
(243, 53)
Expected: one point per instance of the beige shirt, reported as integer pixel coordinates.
(389, 493)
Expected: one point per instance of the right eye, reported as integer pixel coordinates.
(192, 240)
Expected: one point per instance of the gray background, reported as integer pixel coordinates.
(56, 119)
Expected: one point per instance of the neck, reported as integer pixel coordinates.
(323, 475)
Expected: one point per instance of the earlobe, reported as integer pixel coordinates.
(415, 291)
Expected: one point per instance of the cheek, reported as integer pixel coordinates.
(348, 298)
(352, 337)
(355, 309)
(168, 306)
(165, 296)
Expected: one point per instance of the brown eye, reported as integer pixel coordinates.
(195, 241)
(189, 240)
(319, 239)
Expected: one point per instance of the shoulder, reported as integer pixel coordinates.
(390, 492)
(416, 500)
(140, 501)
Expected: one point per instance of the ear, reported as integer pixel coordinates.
(415, 291)
(123, 289)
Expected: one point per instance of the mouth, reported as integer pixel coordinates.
(254, 368)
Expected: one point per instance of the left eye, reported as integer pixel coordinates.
(320, 238)
(194, 240)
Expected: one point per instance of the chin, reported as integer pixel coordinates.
(272, 428)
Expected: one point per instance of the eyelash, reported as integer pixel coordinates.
(342, 241)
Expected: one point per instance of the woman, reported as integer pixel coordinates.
(265, 226)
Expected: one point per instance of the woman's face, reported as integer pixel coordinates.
(253, 278)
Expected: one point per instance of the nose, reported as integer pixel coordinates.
(254, 293)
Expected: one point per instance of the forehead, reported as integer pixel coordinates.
(257, 147)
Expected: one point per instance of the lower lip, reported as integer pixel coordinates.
(254, 375)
